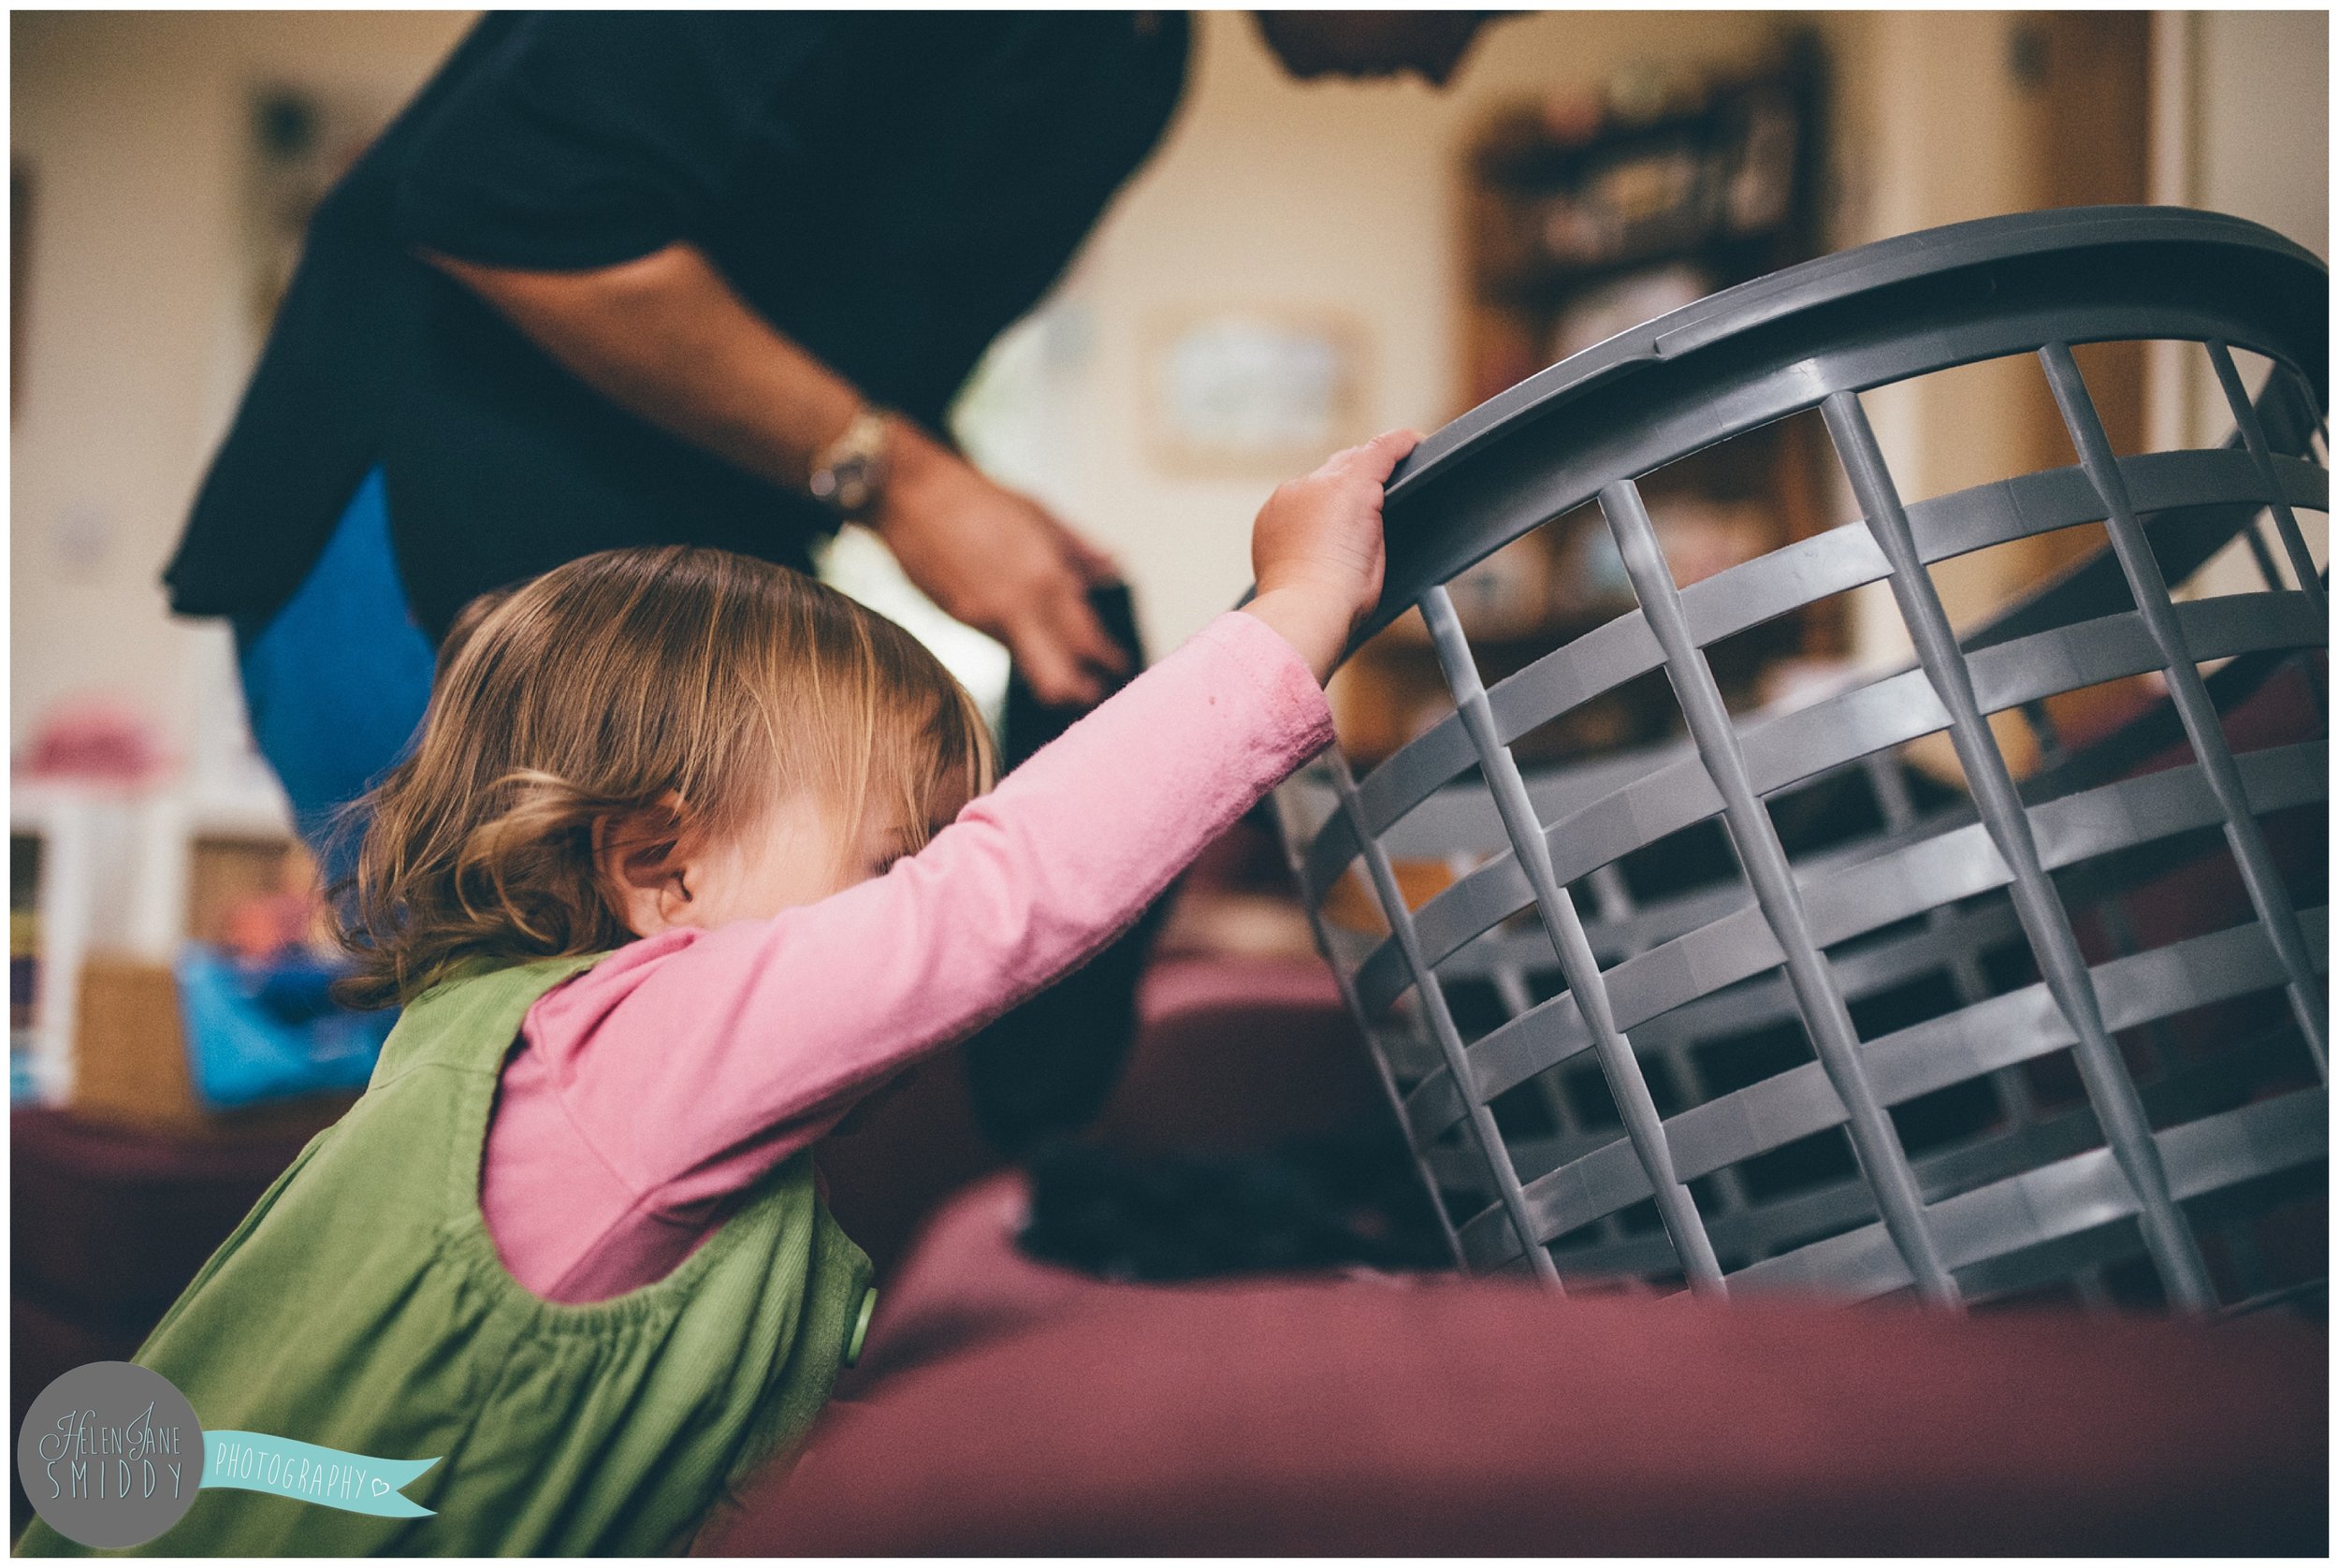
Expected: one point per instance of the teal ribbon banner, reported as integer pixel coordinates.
(356, 1483)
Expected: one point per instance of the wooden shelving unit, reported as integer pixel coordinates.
(1585, 217)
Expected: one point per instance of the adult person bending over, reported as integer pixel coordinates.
(630, 278)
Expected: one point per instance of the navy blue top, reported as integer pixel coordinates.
(890, 189)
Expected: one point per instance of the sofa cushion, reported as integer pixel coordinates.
(1047, 1414)
(111, 1223)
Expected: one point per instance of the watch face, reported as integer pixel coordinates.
(850, 484)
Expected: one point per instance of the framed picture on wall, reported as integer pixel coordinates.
(1243, 391)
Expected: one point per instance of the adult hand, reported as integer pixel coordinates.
(665, 337)
(999, 562)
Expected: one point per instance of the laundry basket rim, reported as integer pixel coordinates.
(1792, 290)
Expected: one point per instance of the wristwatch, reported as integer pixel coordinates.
(848, 475)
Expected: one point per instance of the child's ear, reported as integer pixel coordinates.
(638, 856)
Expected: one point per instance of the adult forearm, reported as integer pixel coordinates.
(666, 338)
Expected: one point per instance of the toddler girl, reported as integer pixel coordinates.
(665, 888)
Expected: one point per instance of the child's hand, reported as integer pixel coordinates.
(1315, 550)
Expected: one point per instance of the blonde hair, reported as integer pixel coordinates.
(694, 686)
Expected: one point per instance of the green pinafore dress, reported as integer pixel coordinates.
(361, 1306)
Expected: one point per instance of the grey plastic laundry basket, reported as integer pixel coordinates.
(1692, 1086)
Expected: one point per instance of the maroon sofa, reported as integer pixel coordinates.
(1005, 1407)
(106, 1226)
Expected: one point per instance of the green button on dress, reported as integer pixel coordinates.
(361, 1305)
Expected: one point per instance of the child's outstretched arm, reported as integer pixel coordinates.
(693, 1061)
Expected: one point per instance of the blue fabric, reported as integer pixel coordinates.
(337, 681)
(262, 1031)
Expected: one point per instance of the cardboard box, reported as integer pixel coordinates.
(130, 1063)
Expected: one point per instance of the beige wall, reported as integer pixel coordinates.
(1330, 195)
(1932, 128)
(1334, 195)
(2262, 148)
(132, 126)
(2246, 133)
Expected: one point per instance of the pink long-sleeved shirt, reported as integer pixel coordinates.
(653, 1087)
